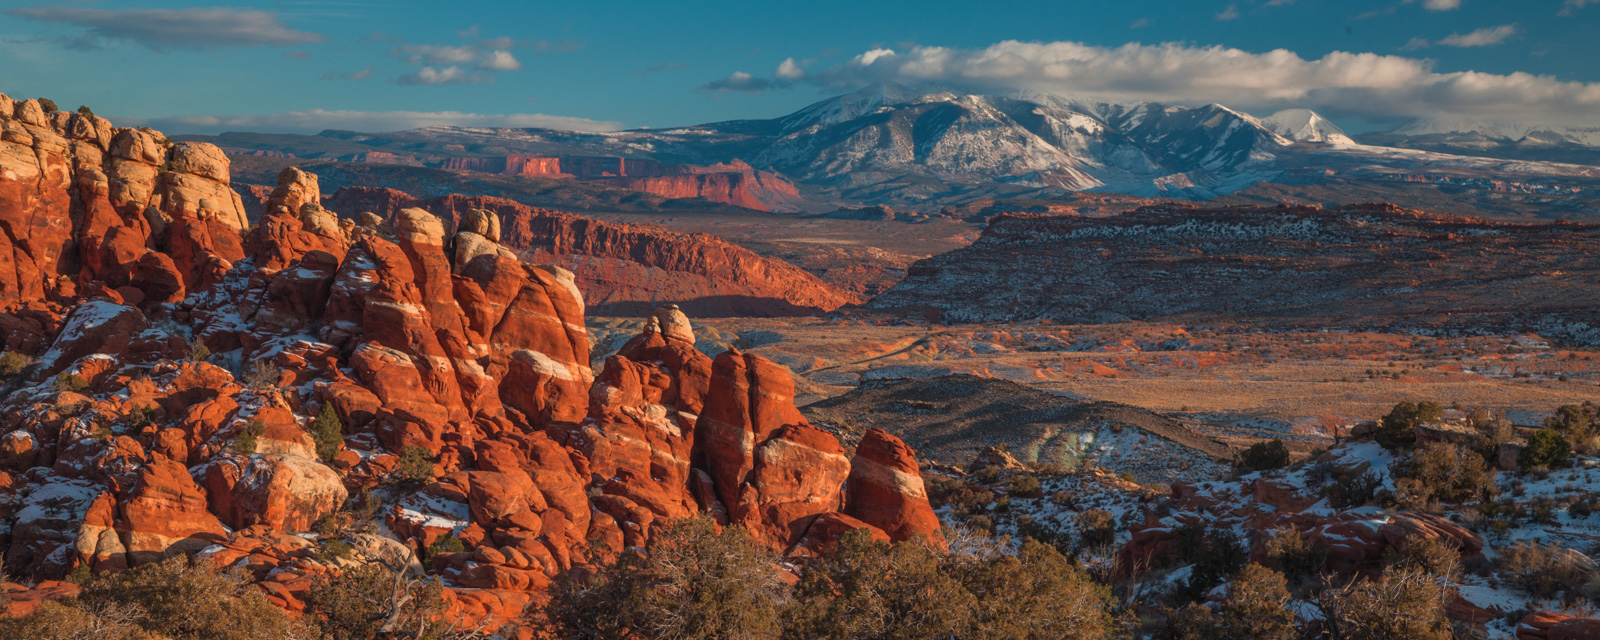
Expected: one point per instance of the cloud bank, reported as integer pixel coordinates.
(1339, 83)
(164, 29)
(474, 63)
(317, 120)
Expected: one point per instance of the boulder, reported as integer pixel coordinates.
(885, 488)
(279, 492)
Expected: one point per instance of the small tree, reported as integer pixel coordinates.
(1577, 423)
(694, 583)
(1026, 486)
(870, 590)
(373, 601)
(1398, 429)
(1289, 554)
(12, 364)
(328, 432)
(245, 441)
(48, 105)
(1445, 472)
(1037, 594)
(1222, 556)
(70, 382)
(1547, 448)
(184, 600)
(415, 466)
(1266, 456)
(1402, 603)
(85, 110)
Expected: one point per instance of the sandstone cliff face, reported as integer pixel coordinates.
(628, 269)
(1364, 266)
(175, 418)
(85, 201)
(735, 183)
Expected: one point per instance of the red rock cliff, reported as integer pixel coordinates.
(431, 342)
(628, 269)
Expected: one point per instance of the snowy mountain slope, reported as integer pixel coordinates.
(932, 146)
(1305, 125)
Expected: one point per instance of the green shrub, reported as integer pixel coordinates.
(184, 600)
(1578, 424)
(327, 431)
(1266, 456)
(85, 110)
(871, 590)
(358, 602)
(1398, 429)
(245, 441)
(1288, 553)
(70, 382)
(1430, 555)
(1353, 492)
(1401, 603)
(1222, 556)
(1256, 608)
(443, 544)
(1547, 448)
(1445, 472)
(1038, 593)
(12, 364)
(48, 105)
(76, 620)
(1545, 571)
(415, 466)
(1026, 486)
(334, 550)
(694, 583)
(1096, 527)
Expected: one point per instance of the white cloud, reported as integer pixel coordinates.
(163, 29)
(444, 75)
(1574, 5)
(368, 121)
(360, 74)
(1441, 5)
(1416, 43)
(741, 81)
(453, 64)
(789, 70)
(1481, 38)
(435, 54)
(500, 61)
(1341, 83)
(1230, 13)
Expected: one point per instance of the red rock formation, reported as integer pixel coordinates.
(885, 488)
(446, 359)
(737, 184)
(628, 269)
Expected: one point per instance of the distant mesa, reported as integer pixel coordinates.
(1355, 267)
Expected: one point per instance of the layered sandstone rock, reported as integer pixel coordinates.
(623, 269)
(458, 373)
(886, 489)
(84, 202)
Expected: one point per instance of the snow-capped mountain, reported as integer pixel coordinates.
(933, 146)
(1502, 131)
(1304, 125)
(1025, 139)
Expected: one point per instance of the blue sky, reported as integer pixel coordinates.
(301, 65)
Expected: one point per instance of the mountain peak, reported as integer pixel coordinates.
(1305, 125)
